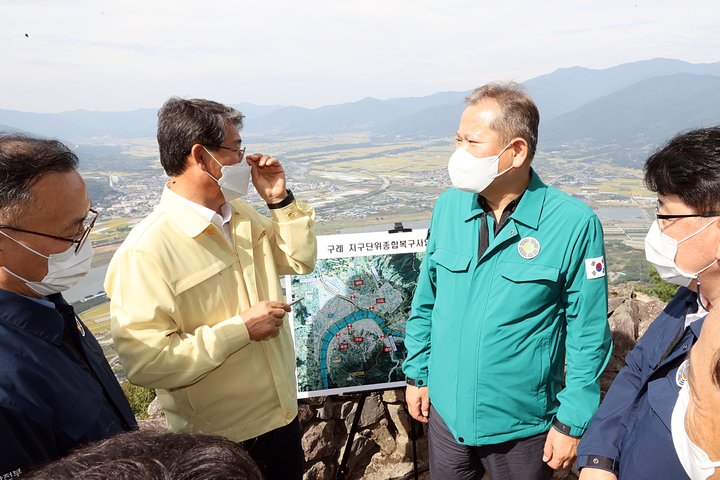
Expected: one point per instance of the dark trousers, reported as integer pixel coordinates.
(514, 460)
(278, 453)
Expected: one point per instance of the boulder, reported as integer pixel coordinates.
(394, 396)
(319, 471)
(317, 442)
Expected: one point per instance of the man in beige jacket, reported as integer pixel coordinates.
(196, 305)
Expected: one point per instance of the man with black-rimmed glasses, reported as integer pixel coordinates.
(57, 391)
(629, 437)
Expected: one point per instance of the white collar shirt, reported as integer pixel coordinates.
(222, 222)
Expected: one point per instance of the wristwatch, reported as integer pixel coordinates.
(415, 383)
(284, 202)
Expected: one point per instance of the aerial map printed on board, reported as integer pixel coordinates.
(350, 325)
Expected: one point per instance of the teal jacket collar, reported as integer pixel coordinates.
(530, 207)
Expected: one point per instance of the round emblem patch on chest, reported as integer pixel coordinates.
(681, 376)
(528, 248)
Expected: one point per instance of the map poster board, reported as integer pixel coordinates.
(349, 328)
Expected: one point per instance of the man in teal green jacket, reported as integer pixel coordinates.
(512, 288)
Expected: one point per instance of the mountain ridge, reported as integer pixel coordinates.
(616, 106)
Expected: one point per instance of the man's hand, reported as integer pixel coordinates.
(418, 402)
(264, 319)
(268, 176)
(560, 449)
(588, 473)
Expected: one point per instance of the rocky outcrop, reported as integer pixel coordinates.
(382, 447)
(630, 313)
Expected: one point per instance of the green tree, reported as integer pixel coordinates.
(658, 287)
(138, 397)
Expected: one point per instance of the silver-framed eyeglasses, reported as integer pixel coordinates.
(240, 150)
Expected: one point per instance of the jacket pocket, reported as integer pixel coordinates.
(529, 272)
(451, 261)
(239, 391)
(514, 387)
(662, 395)
(452, 272)
(530, 290)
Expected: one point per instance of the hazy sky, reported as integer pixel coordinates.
(121, 55)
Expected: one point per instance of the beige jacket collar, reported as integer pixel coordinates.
(185, 216)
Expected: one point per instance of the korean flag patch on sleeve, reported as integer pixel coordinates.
(595, 267)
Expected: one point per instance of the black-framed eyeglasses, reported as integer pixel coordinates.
(79, 239)
(662, 216)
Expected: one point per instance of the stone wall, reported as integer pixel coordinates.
(382, 449)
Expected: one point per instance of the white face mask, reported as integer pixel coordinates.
(695, 461)
(661, 249)
(234, 180)
(472, 174)
(65, 269)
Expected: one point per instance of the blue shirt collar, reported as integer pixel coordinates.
(41, 301)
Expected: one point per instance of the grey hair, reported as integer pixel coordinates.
(183, 123)
(519, 116)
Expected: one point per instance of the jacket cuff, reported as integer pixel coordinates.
(565, 429)
(234, 333)
(292, 211)
(568, 428)
(416, 382)
(599, 462)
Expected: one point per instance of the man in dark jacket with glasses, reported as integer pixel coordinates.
(57, 391)
(629, 437)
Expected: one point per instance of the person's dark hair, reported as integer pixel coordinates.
(183, 123)
(519, 116)
(688, 166)
(23, 162)
(154, 455)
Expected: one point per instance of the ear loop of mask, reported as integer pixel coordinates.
(216, 161)
(498, 157)
(22, 279)
(699, 299)
(691, 235)
(24, 246)
(697, 275)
